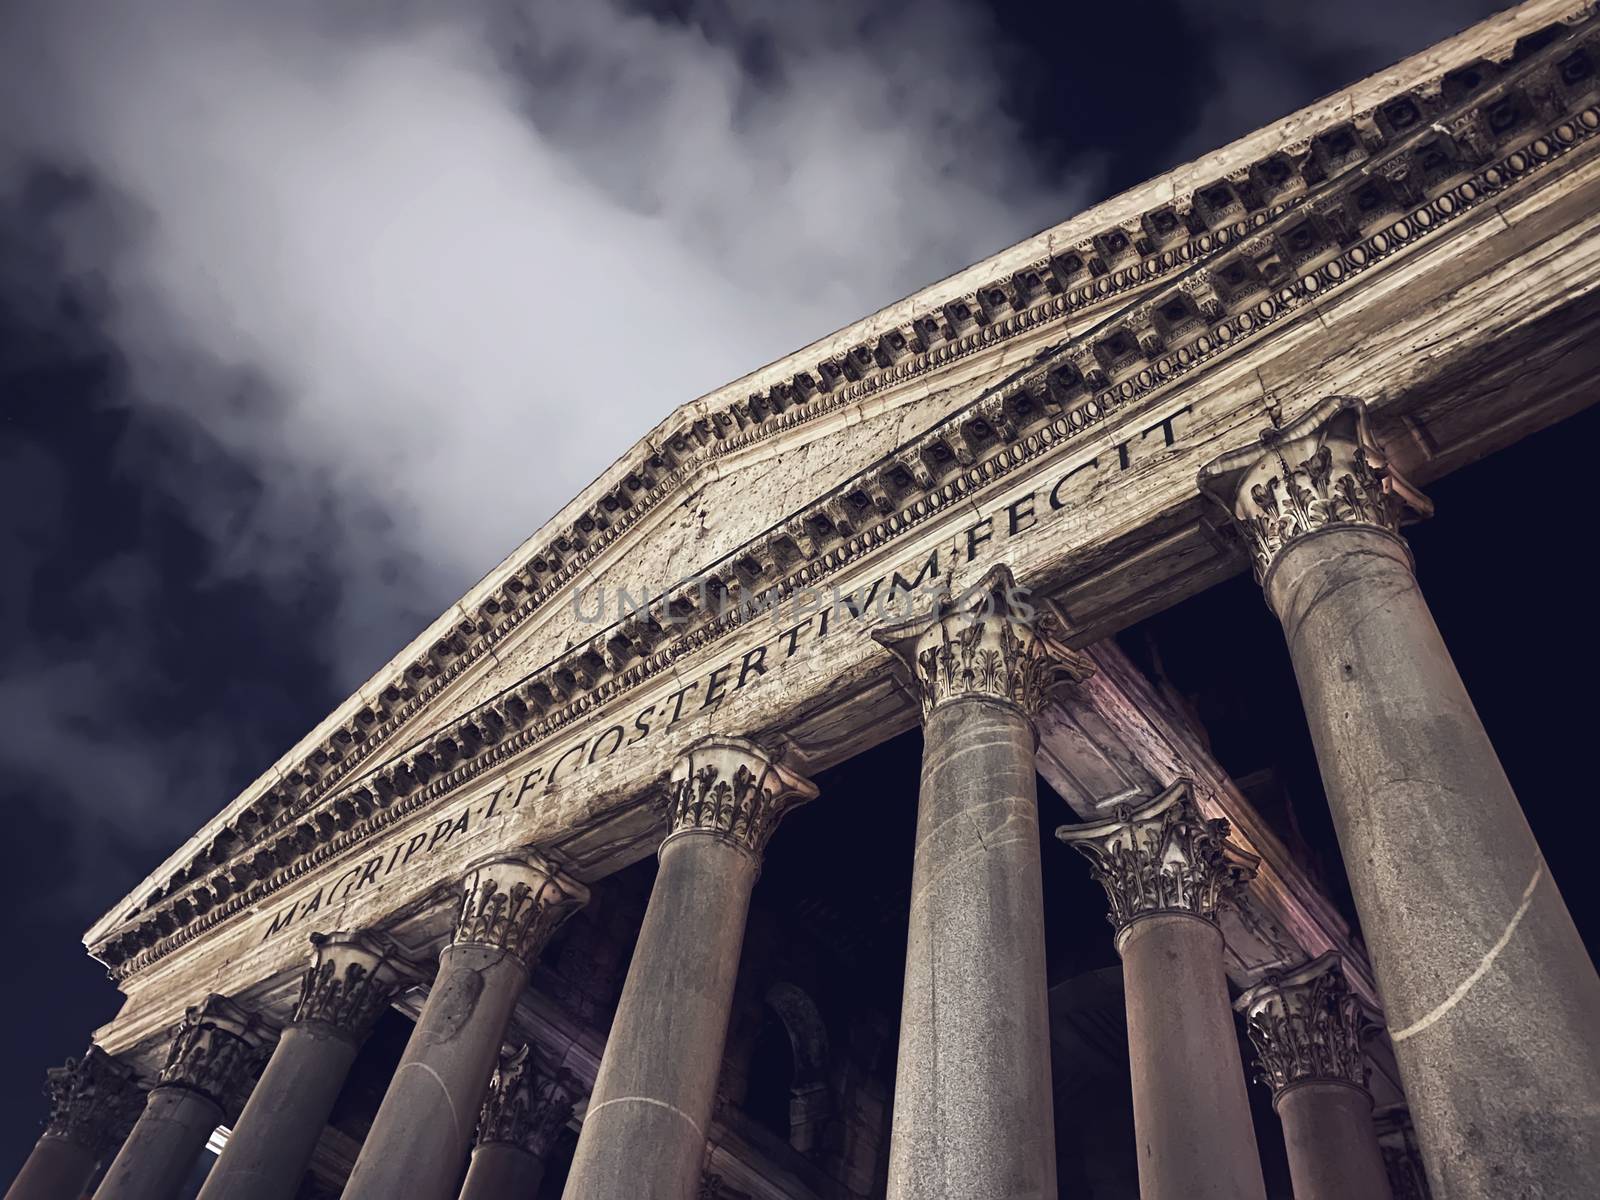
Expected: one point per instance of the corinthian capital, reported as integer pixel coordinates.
(526, 1105)
(1321, 471)
(217, 1051)
(1306, 1024)
(515, 903)
(732, 789)
(94, 1101)
(350, 982)
(988, 643)
(1161, 857)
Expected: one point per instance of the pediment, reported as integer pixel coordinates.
(831, 455)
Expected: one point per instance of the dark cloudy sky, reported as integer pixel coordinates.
(306, 321)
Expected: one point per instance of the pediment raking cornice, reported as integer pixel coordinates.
(1216, 290)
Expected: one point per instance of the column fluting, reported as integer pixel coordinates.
(349, 984)
(94, 1101)
(644, 1130)
(418, 1142)
(973, 1109)
(1166, 870)
(1492, 1002)
(213, 1061)
(1307, 1027)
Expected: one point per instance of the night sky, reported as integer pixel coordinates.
(305, 323)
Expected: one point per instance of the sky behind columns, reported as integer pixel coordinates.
(306, 320)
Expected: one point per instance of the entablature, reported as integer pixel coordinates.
(1396, 181)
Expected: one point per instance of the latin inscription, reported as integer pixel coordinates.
(810, 621)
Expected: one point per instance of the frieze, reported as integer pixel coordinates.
(481, 738)
(564, 764)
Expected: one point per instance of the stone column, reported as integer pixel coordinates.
(1492, 1003)
(644, 1132)
(1307, 1025)
(209, 1070)
(94, 1101)
(973, 1116)
(527, 1108)
(348, 986)
(418, 1141)
(1166, 870)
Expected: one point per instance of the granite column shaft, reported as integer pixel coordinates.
(94, 1101)
(1308, 1028)
(500, 1170)
(1332, 1145)
(973, 1108)
(213, 1061)
(973, 1104)
(417, 1146)
(1191, 1108)
(644, 1131)
(350, 981)
(57, 1168)
(1492, 1002)
(1166, 870)
(165, 1144)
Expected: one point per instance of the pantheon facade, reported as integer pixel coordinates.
(518, 918)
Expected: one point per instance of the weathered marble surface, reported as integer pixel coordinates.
(1462, 340)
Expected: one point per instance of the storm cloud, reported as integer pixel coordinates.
(437, 266)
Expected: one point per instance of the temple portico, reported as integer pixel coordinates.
(792, 881)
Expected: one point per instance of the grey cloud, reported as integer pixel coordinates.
(471, 252)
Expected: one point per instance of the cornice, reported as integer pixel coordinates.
(678, 451)
(1393, 189)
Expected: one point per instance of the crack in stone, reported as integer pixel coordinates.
(1478, 972)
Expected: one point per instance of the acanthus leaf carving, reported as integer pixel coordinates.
(986, 643)
(514, 903)
(732, 789)
(1322, 471)
(217, 1051)
(1306, 1024)
(94, 1101)
(1162, 857)
(528, 1105)
(351, 981)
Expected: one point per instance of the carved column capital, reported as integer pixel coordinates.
(217, 1051)
(731, 789)
(1161, 857)
(1321, 471)
(514, 903)
(350, 982)
(1306, 1024)
(94, 1101)
(527, 1106)
(985, 643)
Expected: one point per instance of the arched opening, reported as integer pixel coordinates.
(791, 1053)
(772, 1072)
